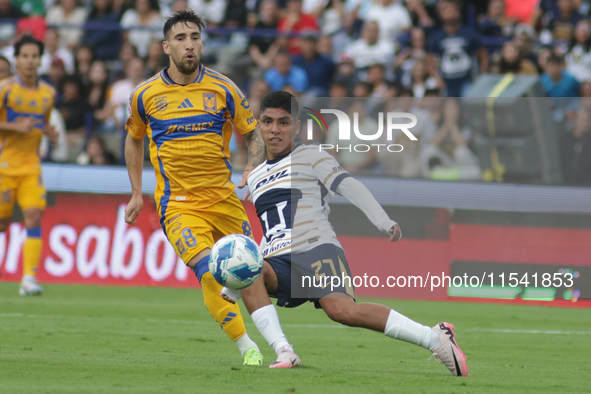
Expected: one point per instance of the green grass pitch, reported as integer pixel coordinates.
(87, 339)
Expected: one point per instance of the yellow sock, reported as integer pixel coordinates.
(227, 315)
(32, 251)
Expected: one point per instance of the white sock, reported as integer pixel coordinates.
(401, 327)
(233, 294)
(244, 343)
(266, 320)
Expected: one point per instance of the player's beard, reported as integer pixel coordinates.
(185, 67)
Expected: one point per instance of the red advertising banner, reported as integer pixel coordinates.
(87, 241)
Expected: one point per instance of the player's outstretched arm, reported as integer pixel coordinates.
(357, 193)
(134, 157)
(257, 152)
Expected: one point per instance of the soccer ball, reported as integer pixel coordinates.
(235, 261)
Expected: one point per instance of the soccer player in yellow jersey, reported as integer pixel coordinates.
(25, 106)
(188, 111)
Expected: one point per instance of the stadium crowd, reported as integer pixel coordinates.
(98, 51)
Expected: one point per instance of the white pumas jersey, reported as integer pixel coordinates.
(291, 196)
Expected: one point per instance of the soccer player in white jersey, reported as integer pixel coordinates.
(291, 191)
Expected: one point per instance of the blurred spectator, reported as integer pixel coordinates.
(312, 7)
(236, 13)
(331, 16)
(32, 7)
(5, 68)
(419, 12)
(120, 6)
(556, 81)
(75, 110)
(511, 61)
(338, 97)
(8, 30)
(106, 42)
(431, 102)
(393, 90)
(118, 95)
(324, 47)
(73, 107)
(346, 73)
(543, 56)
(83, 58)
(258, 90)
(585, 91)
(578, 58)
(362, 89)
(290, 89)
(454, 45)
(421, 81)
(576, 150)
(495, 23)
(179, 5)
(33, 25)
(96, 91)
(523, 11)
(53, 51)
(320, 69)
(562, 23)
(295, 21)
(338, 90)
(261, 49)
(55, 152)
(447, 156)
(376, 76)
(409, 55)
(408, 162)
(156, 59)
(370, 49)
(212, 10)
(55, 75)
(146, 14)
(67, 12)
(351, 160)
(524, 37)
(10, 11)
(392, 17)
(96, 153)
(127, 53)
(284, 73)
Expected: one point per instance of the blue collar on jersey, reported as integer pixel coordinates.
(168, 81)
(20, 82)
(278, 159)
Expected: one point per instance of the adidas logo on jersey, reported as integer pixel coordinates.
(186, 104)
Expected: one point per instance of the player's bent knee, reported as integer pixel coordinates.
(205, 252)
(339, 310)
(32, 217)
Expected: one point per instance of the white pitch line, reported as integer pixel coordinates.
(530, 331)
(500, 330)
(154, 320)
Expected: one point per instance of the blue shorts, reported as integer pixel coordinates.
(301, 276)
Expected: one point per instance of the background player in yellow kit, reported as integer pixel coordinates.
(25, 105)
(187, 111)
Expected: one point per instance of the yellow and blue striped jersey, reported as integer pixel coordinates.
(19, 152)
(189, 127)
